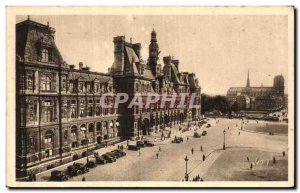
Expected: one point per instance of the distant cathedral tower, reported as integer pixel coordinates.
(153, 54)
(248, 81)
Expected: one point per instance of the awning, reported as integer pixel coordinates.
(83, 129)
(111, 124)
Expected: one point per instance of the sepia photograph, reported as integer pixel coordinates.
(145, 97)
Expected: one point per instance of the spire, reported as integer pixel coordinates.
(248, 80)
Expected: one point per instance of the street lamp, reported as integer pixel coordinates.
(186, 173)
(87, 148)
(224, 140)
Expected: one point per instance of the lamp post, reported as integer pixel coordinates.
(186, 172)
(224, 140)
(87, 148)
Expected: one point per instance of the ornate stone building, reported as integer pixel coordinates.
(258, 98)
(59, 117)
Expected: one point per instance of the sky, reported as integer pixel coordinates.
(219, 49)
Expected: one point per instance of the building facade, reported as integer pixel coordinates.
(58, 113)
(258, 98)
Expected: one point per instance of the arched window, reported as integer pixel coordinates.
(73, 131)
(46, 84)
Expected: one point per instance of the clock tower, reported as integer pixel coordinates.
(153, 55)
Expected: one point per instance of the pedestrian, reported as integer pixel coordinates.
(187, 138)
(201, 148)
(83, 179)
(239, 133)
(203, 157)
(142, 137)
(274, 160)
(192, 150)
(156, 155)
(251, 166)
(159, 149)
(118, 147)
(248, 159)
(201, 180)
(283, 153)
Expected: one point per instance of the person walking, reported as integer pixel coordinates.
(201, 148)
(248, 159)
(159, 149)
(274, 160)
(251, 166)
(192, 150)
(283, 153)
(83, 179)
(156, 155)
(203, 157)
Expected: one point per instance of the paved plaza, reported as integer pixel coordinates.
(170, 164)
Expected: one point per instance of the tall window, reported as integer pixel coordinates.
(29, 82)
(45, 55)
(71, 87)
(46, 84)
(48, 115)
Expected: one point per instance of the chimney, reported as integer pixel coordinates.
(176, 63)
(80, 65)
(167, 59)
(72, 66)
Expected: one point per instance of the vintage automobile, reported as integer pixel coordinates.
(73, 171)
(140, 144)
(114, 155)
(58, 176)
(148, 143)
(118, 152)
(197, 135)
(108, 158)
(91, 164)
(82, 167)
(176, 140)
(204, 133)
(133, 147)
(100, 160)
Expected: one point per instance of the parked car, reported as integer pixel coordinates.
(148, 143)
(180, 139)
(91, 164)
(204, 133)
(119, 152)
(208, 125)
(108, 158)
(114, 155)
(140, 144)
(197, 135)
(176, 140)
(100, 160)
(58, 176)
(82, 167)
(73, 171)
(133, 147)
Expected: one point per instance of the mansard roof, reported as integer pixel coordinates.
(31, 37)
